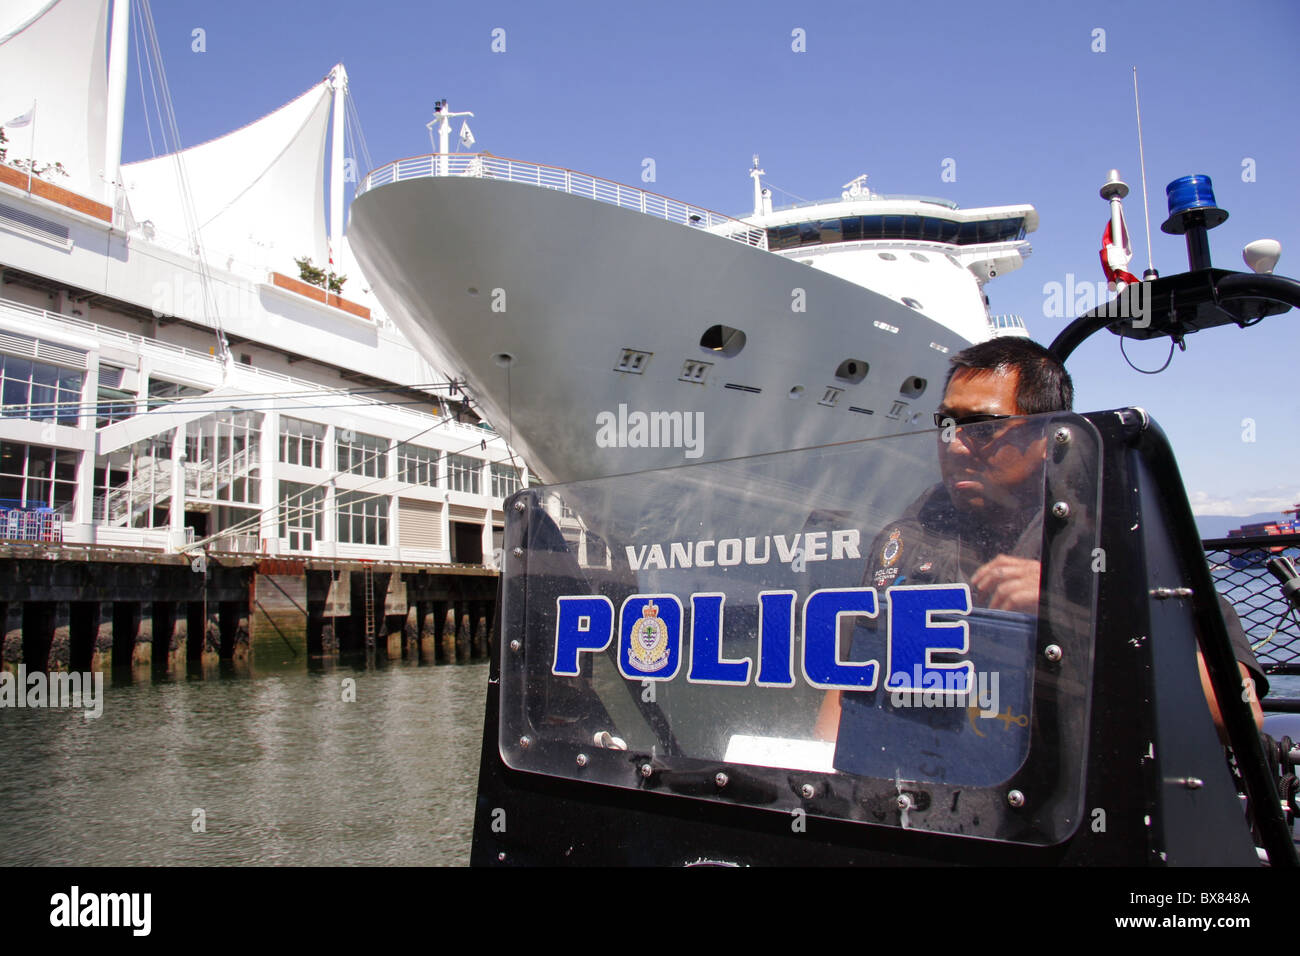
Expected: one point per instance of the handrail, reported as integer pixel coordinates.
(143, 342)
(873, 197)
(487, 166)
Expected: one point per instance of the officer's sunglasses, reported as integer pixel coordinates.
(979, 437)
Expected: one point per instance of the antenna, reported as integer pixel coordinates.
(1142, 158)
(756, 174)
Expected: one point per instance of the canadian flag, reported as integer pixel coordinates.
(1116, 252)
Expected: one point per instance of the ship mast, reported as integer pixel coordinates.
(339, 83)
(756, 174)
(118, 54)
(443, 116)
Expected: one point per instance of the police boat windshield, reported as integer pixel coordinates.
(847, 630)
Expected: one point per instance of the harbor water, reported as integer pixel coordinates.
(273, 765)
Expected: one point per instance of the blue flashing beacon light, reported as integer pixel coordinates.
(1192, 211)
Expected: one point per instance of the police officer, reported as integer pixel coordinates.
(982, 524)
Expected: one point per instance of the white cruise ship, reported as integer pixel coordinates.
(611, 330)
(169, 381)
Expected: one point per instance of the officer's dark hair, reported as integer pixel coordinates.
(1043, 384)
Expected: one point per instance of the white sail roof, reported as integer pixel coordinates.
(52, 53)
(258, 192)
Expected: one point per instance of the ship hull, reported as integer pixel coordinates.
(534, 296)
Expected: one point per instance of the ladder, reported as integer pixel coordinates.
(368, 587)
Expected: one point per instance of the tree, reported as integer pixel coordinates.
(27, 165)
(316, 276)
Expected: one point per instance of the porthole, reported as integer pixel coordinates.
(887, 256)
(723, 339)
(913, 386)
(911, 303)
(919, 258)
(852, 370)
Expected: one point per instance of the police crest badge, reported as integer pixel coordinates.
(648, 650)
(893, 547)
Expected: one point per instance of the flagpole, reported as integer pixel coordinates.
(31, 152)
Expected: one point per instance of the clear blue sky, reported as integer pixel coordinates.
(1014, 93)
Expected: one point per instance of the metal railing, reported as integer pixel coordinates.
(237, 543)
(1007, 324)
(873, 197)
(486, 166)
(151, 485)
(22, 524)
(1272, 625)
(157, 347)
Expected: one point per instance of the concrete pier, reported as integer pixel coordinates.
(83, 632)
(86, 607)
(164, 627)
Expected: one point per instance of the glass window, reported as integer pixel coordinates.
(925, 228)
(464, 473)
(830, 231)
(163, 392)
(39, 392)
(222, 458)
(360, 454)
(362, 518)
(302, 443)
(34, 476)
(113, 405)
(418, 466)
(505, 481)
(301, 509)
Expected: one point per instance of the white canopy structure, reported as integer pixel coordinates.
(258, 193)
(52, 55)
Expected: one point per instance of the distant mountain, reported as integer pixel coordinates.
(1218, 526)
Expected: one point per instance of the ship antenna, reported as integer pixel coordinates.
(1142, 158)
(442, 117)
(756, 174)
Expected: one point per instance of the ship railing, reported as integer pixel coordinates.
(1007, 324)
(487, 166)
(873, 197)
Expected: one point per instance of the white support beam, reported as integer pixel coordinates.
(118, 55)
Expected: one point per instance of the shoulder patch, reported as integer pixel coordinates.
(892, 549)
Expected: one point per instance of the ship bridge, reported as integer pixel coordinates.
(899, 227)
